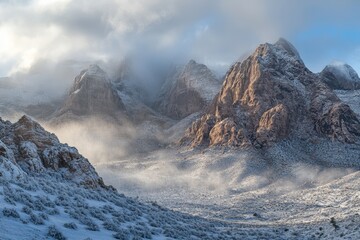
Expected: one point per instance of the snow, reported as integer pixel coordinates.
(9, 169)
(39, 203)
(282, 200)
(350, 97)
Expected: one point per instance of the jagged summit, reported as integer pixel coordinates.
(92, 94)
(93, 75)
(339, 75)
(95, 71)
(271, 96)
(188, 90)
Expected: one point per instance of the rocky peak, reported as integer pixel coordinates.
(91, 94)
(338, 75)
(271, 96)
(90, 77)
(188, 90)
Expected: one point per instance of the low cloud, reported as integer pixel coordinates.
(213, 32)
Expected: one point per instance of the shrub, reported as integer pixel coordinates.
(333, 222)
(10, 212)
(53, 211)
(92, 226)
(36, 219)
(26, 210)
(121, 235)
(110, 226)
(70, 225)
(55, 233)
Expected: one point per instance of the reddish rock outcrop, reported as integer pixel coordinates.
(270, 96)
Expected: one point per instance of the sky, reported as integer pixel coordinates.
(38, 36)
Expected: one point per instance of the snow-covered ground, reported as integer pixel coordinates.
(241, 191)
(49, 207)
(42, 207)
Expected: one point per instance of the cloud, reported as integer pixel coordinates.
(214, 32)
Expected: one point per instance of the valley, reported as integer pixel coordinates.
(270, 151)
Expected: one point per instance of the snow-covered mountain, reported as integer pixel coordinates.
(188, 90)
(91, 94)
(340, 76)
(272, 96)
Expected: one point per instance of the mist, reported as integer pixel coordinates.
(133, 159)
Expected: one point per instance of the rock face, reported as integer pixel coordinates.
(271, 96)
(26, 148)
(92, 94)
(340, 76)
(188, 91)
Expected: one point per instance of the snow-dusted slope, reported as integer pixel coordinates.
(49, 207)
(340, 75)
(49, 191)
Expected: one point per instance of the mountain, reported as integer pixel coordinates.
(340, 76)
(272, 96)
(190, 89)
(92, 94)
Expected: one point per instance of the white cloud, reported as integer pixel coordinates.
(207, 30)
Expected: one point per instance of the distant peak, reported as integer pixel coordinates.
(192, 62)
(340, 66)
(93, 71)
(25, 118)
(282, 41)
(95, 68)
(288, 47)
(341, 70)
